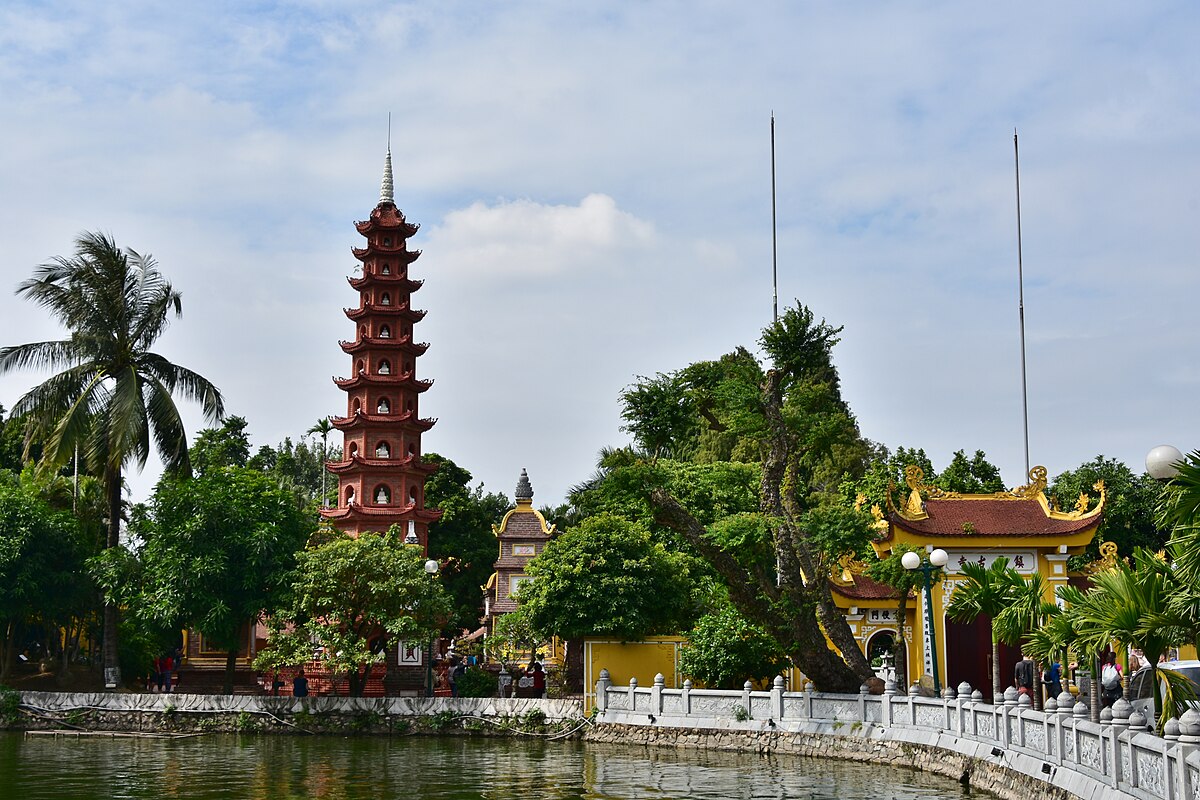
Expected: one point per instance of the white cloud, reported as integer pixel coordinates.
(519, 238)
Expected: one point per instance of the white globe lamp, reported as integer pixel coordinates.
(1161, 461)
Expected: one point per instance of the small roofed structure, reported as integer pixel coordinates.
(521, 535)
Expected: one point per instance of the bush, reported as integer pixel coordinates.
(476, 682)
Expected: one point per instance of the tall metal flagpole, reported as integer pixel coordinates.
(774, 292)
(1021, 302)
(774, 235)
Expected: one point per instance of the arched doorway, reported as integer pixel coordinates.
(883, 643)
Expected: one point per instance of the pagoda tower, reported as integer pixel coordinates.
(381, 478)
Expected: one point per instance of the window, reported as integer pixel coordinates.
(359, 367)
(386, 269)
(349, 495)
(385, 367)
(514, 583)
(356, 406)
(387, 241)
(384, 407)
(385, 300)
(383, 451)
(383, 496)
(412, 493)
(412, 449)
(524, 550)
(353, 449)
(385, 332)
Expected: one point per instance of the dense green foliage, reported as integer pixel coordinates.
(1128, 509)
(352, 598)
(462, 540)
(607, 577)
(41, 565)
(218, 552)
(724, 651)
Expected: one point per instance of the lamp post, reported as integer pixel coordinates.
(431, 569)
(936, 560)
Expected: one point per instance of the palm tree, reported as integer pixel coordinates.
(986, 592)
(113, 394)
(1129, 605)
(1027, 612)
(323, 428)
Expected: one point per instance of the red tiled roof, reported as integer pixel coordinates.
(865, 588)
(990, 516)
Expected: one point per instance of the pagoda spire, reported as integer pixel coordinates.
(386, 190)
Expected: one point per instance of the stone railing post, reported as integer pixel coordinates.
(747, 687)
(889, 691)
(602, 687)
(1007, 706)
(914, 692)
(949, 707)
(1189, 742)
(1176, 767)
(963, 696)
(863, 691)
(633, 694)
(808, 698)
(685, 697)
(1120, 724)
(656, 701)
(777, 697)
(1064, 707)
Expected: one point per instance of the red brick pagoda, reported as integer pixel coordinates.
(381, 479)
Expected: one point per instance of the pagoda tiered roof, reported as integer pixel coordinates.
(362, 419)
(398, 310)
(408, 284)
(404, 380)
(414, 463)
(386, 217)
(404, 343)
(354, 512)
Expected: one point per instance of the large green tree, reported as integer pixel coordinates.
(219, 551)
(608, 577)
(462, 540)
(42, 576)
(350, 599)
(791, 413)
(112, 394)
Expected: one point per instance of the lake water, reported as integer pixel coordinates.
(282, 768)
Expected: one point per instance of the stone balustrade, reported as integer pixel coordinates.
(1058, 749)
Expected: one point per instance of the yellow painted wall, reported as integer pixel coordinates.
(624, 660)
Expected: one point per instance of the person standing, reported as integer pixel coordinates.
(1024, 675)
(1110, 680)
(300, 684)
(1053, 679)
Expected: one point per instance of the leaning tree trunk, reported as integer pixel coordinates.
(900, 643)
(754, 593)
(110, 657)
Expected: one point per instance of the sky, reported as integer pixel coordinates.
(593, 186)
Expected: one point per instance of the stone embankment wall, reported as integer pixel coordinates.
(975, 771)
(198, 713)
(1008, 749)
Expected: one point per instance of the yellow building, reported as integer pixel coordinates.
(1019, 525)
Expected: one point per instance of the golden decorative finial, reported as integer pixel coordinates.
(1108, 555)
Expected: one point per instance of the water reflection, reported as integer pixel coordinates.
(283, 768)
